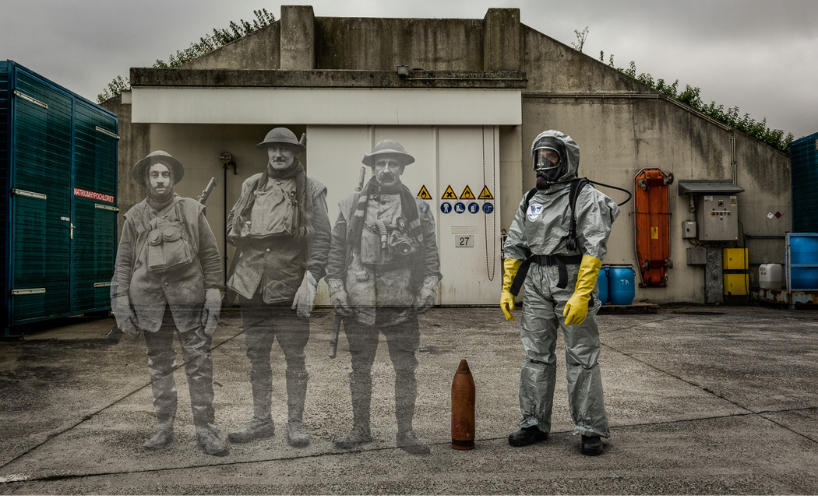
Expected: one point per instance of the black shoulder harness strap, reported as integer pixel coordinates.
(570, 239)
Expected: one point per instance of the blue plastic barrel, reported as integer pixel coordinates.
(621, 285)
(803, 251)
(602, 282)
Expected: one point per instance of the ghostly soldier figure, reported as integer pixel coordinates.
(383, 271)
(281, 232)
(168, 281)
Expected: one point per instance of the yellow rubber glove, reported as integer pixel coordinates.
(511, 265)
(577, 307)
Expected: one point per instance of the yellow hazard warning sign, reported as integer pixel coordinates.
(449, 194)
(423, 194)
(485, 194)
(467, 194)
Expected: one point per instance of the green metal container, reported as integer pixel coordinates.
(58, 166)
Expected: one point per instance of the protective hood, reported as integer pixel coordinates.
(571, 148)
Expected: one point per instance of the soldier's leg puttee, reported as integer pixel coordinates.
(259, 342)
(293, 335)
(161, 364)
(363, 344)
(403, 341)
(195, 346)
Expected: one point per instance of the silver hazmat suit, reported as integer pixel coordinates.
(541, 230)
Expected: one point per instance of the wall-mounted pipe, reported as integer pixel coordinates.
(227, 161)
(733, 162)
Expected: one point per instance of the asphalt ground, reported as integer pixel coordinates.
(716, 400)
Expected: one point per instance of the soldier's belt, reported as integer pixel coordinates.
(387, 267)
(548, 260)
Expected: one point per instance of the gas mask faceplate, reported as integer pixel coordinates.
(548, 171)
(549, 161)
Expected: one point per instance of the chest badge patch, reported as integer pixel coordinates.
(534, 211)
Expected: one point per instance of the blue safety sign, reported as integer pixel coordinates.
(423, 207)
(488, 208)
(474, 208)
(459, 207)
(445, 207)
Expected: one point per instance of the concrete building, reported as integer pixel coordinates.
(476, 94)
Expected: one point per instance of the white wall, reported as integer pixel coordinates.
(449, 155)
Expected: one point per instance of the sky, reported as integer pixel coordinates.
(758, 55)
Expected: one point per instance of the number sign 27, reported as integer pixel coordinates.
(464, 241)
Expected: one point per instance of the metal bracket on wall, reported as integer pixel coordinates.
(30, 99)
(29, 194)
(30, 291)
(107, 133)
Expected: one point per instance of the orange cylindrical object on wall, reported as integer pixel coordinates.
(463, 395)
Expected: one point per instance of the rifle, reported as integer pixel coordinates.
(208, 189)
(336, 327)
(336, 330)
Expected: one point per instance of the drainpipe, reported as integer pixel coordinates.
(733, 156)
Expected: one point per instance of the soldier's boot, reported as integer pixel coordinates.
(162, 438)
(261, 425)
(296, 394)
(360, 384)
(207, 437)
(405, 395)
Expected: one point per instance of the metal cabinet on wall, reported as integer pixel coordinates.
(58, 168)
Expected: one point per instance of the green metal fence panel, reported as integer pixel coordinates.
(42, 156)
(5, 103)
(94, 241)
(804, 170)
(59, 166)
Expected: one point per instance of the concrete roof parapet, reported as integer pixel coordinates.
(326, 78)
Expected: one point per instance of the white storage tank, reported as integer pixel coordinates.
(771, 276)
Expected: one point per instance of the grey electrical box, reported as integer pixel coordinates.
(697, 255)
(688, 229)
(717, 217)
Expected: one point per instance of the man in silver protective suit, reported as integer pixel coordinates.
(281, 231)
(383, 271)
(563, 257)
(168, 281)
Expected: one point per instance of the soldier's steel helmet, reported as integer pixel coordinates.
(388, 148)
(281, 135)
(177, 170)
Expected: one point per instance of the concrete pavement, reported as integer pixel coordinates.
(700, 400)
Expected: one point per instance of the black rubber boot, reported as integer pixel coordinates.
(526, 436)
(590, 445)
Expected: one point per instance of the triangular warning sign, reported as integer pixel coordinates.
(485, 194)
(449, 194)
(467, 194)
(423, 194)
